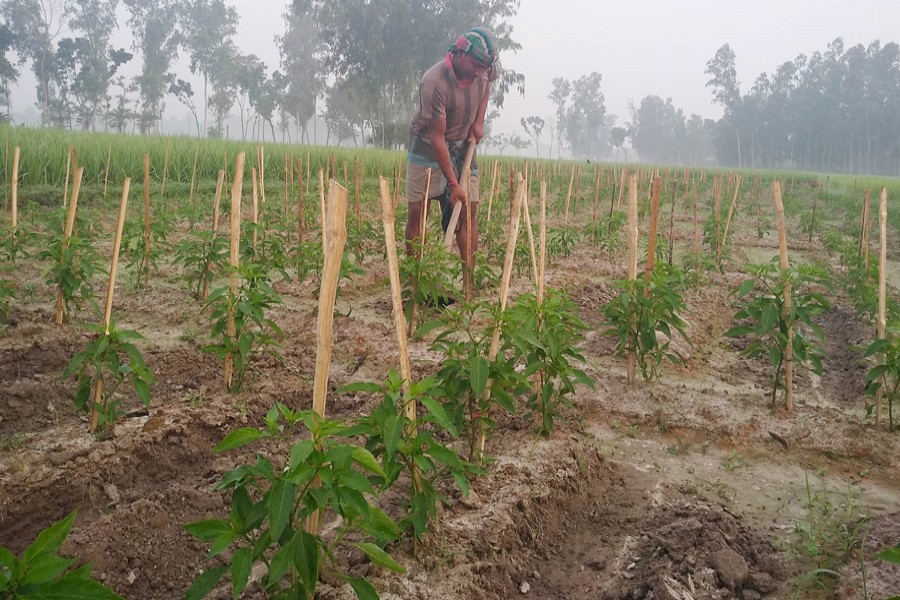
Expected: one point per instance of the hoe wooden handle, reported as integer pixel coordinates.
(457, 208)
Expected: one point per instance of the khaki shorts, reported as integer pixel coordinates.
(417, 175)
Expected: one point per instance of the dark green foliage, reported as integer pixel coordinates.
(885, 375)
(201, 255)
(271, 504)
(255, 333)
(760, 301)
(71, 268)
(419, 448)
(42, 573)
(110, 358)
(640, 311)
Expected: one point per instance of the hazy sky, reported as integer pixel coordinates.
(642, 47)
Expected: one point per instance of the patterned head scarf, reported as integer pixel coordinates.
(479, 42)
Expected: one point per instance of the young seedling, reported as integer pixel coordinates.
(766, 320)
(272, 503)
(42, 573)
(109, 360)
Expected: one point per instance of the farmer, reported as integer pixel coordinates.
(453, 99)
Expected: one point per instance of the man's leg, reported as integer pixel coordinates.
(416, 181)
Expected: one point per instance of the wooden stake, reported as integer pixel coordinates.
(262, 174)
(322, 210)
(534, 263)
(495, 173)
(632, 255)
(299, 201)
(622, 188)
(542, 262)
(14, 184)
(66, 186)
(881, 323)
(598, 175)
(336, 223)
(106, 173)
(812, 223)
(220, 182)
(420, 252)
(672, 220)
(515, 216)
(655, 189)
(569, 194)
(162, 189)
(234, 259)
(67, 234)
(737, 187)
(145, 265)
(356, 190)
(789, 350)
(696, 224)
(194, 174)
(867, 243)
(110, 290)
(255, 208)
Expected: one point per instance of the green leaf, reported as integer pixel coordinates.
(364, 458)
(49, 540)
(380, 557)
(393, 431)
(438, 415)
(239, 437)
(281, 505)
(306, 558)
(205, 582)
(241, 563)
(209, 529)
(142, 389)
(300, 452)
(46, 568)
(745, 288)
(76, 588)
(478, 374)
(891, 555)
(363, 589)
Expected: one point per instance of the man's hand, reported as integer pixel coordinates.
(458, 194)
(476, 131)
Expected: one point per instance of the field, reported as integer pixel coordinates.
(687, 483)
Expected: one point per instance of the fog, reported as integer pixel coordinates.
(644, 47)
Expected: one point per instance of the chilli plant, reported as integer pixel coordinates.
(417, 447)
(640, 312)
(885, 375)
(254, 332)
(762, 317)
(109, 360)
(72, 265)
(546, 339)
(42, 573)
(202, 254)
(274, 504)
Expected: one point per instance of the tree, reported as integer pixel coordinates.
(657, 130)
(585, 120)
(354, 34)
(617, 137)
(504, 140)
(208, 29)
(183, 91)
(8, 73)
(300, 51)
(249, 75)
(726, 91)
(533, 126)
(35, 25)
(562, 88)
(154, 26)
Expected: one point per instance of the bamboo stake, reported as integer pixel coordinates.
(299, 201)
(67, 234)
(534, 264)
(756, 185)
(569, 193)
(495, 172)
(542, 262)
(696, 224)
(322, 209)
(356, 190)
(737, 187)
(220, 182)
(14, 185)
(106, 173)
(262, 174)
(66, 186)
(598, 176)
(308, 177)
(110, 290)
(632, 255)
(145, 264)
(672, 220)
(255, 214)
(288, 176)
(194, 174)
(864, 225)
(336, 222)
(655, 189)
(622, 188)
(867, 243)
(789, 350)
(881, 324)
(515, 217)
(575, 189)
(812, 223)
(234, 259)
(162, 189)
(387, 216)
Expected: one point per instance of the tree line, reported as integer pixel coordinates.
(356, 65)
